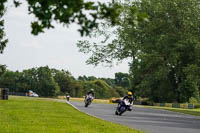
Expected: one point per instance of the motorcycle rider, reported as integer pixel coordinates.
(130, 98)
(91, 92)
(67, 96)
(89, 97)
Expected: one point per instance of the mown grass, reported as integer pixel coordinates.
(35, 115)
(195, 112)
(105, 101)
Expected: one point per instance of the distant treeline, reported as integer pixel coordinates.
(49, 82)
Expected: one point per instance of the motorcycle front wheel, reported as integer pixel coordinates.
(86, 105)
(116, 113)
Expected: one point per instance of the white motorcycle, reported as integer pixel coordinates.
(88, 100)
(122, 107)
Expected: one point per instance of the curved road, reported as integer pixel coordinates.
(145, 119)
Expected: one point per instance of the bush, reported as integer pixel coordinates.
(197, 105)
(143, 101)
(184, 106)
(193, 100)
(168, 105)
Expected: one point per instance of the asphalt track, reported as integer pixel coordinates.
(145, 119)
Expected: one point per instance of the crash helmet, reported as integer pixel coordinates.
(92, 90)
(130, 94)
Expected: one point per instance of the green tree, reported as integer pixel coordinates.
(2, 69)
(101, 89)
(121, 91)
(76, 89)
(164, 49)
(91, 78)
(109, 81)
(85, 78)
(48, 86)
(82, 78)
(3, 40)
(122, 79)
(64, 80)
(30, 76)
(8, 80)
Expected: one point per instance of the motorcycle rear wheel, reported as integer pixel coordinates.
(86, 104)
(121, 113)
(116, 113)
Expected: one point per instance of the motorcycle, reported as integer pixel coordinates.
(88, 100)
(68, 97)
(122, 107)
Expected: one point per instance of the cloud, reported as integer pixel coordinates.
(32, 44)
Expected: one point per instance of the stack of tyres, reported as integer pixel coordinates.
(4, 93)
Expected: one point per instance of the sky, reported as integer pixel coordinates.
(55, 48)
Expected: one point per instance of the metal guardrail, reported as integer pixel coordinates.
(17, 93)
(175, 105)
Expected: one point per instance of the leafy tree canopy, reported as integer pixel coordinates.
(52, 82)
(86, 14)
(165, 49)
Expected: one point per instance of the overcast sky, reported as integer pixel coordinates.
(55, 48)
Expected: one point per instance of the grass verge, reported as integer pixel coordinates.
(195, 112)
(35, 115)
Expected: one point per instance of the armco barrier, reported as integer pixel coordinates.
(190, 106)
(170, 105)
(162, 104)
(175, 105)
